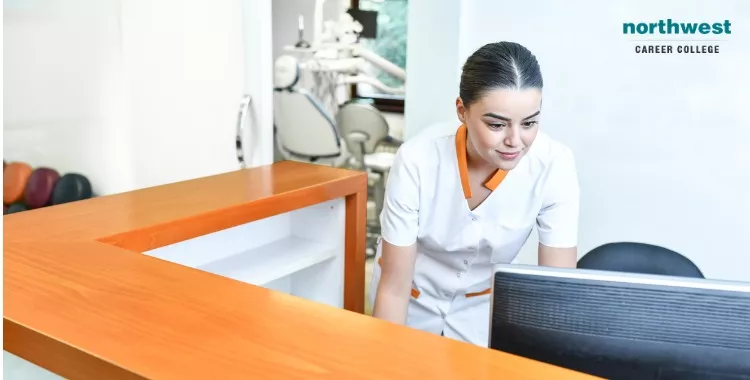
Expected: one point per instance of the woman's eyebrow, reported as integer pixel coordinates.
(501, 117)
(532, 115)
(496, 116)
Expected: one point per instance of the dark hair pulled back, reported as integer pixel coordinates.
(498, 65)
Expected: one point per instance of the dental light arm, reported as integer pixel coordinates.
(359, 78)
(380, 62)
(354, 69)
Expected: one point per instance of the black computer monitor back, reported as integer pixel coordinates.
(622, 326)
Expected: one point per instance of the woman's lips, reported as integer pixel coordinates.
(508, 155)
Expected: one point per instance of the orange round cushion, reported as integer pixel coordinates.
(15, 177)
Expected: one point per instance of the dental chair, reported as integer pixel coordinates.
(303, 130)
(365, 130)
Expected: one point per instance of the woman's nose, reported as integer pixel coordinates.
(512, 138)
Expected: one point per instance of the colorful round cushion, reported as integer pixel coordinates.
(16, 207)
(40, 187)
(15, 177)
(70, 188)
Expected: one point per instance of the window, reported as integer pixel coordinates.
(389, 44)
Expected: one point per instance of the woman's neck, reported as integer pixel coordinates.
(474, 161)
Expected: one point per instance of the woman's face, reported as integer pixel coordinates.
(502, 125)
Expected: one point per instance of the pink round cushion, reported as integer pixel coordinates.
(40, 187)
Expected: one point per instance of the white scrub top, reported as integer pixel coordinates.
(426, 202)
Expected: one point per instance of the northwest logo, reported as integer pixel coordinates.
(670, 27)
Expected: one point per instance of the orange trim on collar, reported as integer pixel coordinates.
(463, 165)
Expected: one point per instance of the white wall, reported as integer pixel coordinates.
(62, 83)
(135, 94)
(182, 59)
(432, 63)
(258, 72)
(660, 140)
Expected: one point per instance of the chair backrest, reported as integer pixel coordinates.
(304, 128)
(362, 126)
(639, 258)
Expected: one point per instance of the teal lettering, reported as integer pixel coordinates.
(670, 27)
(689, 28)
(673, 25)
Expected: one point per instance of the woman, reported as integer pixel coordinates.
(460, 201)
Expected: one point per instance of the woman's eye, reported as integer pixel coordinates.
(496, 126)
(529, 124)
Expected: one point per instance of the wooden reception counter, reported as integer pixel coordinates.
(89, 295)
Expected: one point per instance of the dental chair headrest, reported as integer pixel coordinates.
(285, 72)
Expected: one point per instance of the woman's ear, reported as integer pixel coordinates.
(460, 110)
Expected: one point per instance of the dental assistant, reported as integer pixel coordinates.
(460, 201)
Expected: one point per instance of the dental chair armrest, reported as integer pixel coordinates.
(358, 137)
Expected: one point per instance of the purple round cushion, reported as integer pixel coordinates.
(40, 187)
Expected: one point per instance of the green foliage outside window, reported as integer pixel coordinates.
(391, 41)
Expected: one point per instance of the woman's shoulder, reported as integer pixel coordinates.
(423, 147)
(440, 130)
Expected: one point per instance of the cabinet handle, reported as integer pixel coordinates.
(245, 105)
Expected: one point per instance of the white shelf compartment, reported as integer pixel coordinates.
(265, 264)
(299, 253)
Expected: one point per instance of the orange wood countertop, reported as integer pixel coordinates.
(81, 301)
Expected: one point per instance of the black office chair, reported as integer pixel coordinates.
(639, 258)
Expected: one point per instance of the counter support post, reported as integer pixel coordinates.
(354, 257)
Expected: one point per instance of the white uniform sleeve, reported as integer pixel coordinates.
(399, 220)
(557, 221)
